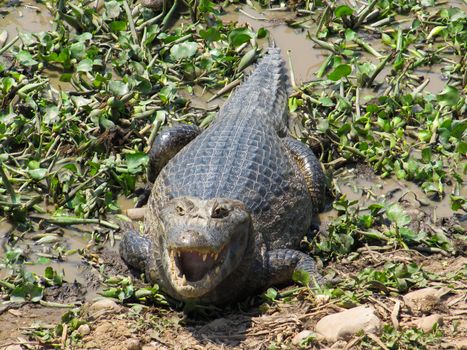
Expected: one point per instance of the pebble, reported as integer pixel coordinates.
(13, 347)
(426, 323)
(104, 306)
(423, 300)
(297, 339)
(84, 330)
(345, 324)
(132, 344)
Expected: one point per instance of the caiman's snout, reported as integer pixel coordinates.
(206, 241)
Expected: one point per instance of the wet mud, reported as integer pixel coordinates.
(305, 58)
(29, 17)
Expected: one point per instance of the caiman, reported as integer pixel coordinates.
(229, 205)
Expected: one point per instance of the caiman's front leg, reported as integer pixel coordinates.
(135, 249)
(311, 170)
(280, 264)
(166, 145)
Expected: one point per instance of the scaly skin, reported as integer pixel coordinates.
(227, 211)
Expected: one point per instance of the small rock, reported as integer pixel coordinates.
(346, 323)
(426, 323)
(322, 299)
(297, 339)
(84, 330)
(132, 344)
(423, 300)
(13, 347)
(104, 306)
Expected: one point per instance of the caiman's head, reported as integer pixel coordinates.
(204, 241)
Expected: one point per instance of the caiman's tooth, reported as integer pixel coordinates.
(208, 278)
(184, 280)
(218, 269)
(205, 255)
(216, 255)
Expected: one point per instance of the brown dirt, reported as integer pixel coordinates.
(14, 323)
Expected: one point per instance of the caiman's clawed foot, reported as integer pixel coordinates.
(282, 263)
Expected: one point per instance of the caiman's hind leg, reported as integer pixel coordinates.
(166, 145)
(135, 249)
(311, 170)
(280, 264)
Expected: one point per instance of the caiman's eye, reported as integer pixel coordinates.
(180, 211)
(219, 212)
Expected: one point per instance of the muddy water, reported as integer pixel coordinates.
(30, 17)
(41, 255)
(305, 58)
(367, 188)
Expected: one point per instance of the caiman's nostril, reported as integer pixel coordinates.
(180, 210)
(219, 212)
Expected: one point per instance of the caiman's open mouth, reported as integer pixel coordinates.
(194, 265)
(197, 270)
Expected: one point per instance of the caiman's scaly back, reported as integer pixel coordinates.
(263, 95)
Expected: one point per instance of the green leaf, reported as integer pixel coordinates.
(206, 6)
(37, 174)
(449, 97)
(396, 214)
(435, 31)
(135, 161)
(168, 93)
(342, 10)
(118, 87)
(49, 272)
(84, 65)
(183, 50)
(339, 72)
(350, 34)
(458, 128)
(262, 33)
(210, 34)
(301, 277)
(240, 36)
(78, 50)
(270, 295)
(26, 59)
(112, 8)
(426, 155)
(118, 26)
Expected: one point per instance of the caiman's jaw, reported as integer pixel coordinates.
(207, 247)
(196, 271)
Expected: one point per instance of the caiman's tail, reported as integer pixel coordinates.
(264, 93)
